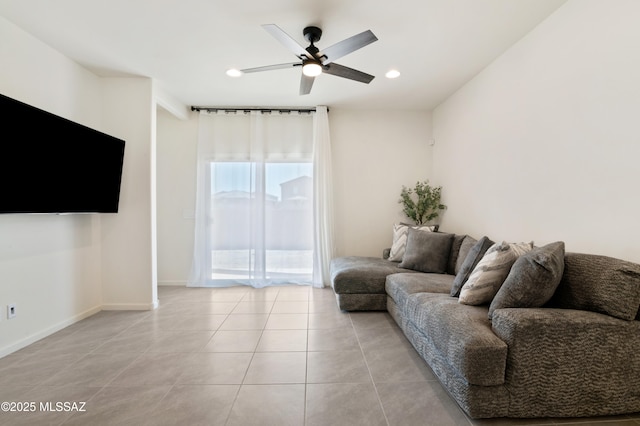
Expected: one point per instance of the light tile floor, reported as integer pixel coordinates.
(235, 356)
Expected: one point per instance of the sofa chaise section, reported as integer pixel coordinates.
(358, 282)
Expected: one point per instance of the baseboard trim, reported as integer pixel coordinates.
(48, 331)
(130, 306)
(79, 317)
(172, 283)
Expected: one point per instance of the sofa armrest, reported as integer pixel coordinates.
(567, 335)
(563, 357)
(548, 321)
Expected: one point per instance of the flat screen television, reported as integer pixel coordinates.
(49, 164)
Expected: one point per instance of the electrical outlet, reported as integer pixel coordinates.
(11, 310)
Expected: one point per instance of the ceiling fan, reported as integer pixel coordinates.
(315, 61)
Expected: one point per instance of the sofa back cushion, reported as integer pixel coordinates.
(600, 284)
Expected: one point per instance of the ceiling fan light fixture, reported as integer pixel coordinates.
(312, 69)
(315, 62)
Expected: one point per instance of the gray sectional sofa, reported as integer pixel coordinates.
(561, 337)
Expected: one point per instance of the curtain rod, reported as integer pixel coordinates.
(236, 109)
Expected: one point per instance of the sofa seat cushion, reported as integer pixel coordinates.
(400, 286)
(462, 334)
(361, 275)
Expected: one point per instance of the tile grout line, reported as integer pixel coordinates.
(306, 365)
(366, 362)
(253, 353)
(235, 397)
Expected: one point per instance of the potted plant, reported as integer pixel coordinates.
(422, 202)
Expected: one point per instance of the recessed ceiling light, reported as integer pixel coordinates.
(392, 74)
(234, 72)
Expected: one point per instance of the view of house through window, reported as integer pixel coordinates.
(261, 221)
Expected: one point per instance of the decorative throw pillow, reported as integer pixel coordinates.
(456, 246)
(470, 261)
(489, 274)
(465, 248)
(400, 238)
(533, 279)
(427, 251)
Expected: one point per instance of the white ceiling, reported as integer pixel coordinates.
(187, 45)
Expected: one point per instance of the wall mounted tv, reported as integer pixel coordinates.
(49, 164)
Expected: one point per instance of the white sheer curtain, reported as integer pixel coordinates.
(261, 218)
(322, 198)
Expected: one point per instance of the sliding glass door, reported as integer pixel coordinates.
(261, 222)
(263, 199)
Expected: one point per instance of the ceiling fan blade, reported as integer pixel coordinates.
(287, 41)
(347, 46)
(306, 83)
(346, 72)
(271, 67)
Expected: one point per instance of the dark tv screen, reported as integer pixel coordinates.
(49, 164)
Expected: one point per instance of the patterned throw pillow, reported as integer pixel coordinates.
(489, 274)
(400, 234)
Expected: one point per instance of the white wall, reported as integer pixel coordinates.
(49, 264)
(176, 170)
(374, 154)
(128, 238)
(58, 269)
(544, 144)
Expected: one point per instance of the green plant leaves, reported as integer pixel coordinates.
(422, 202)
